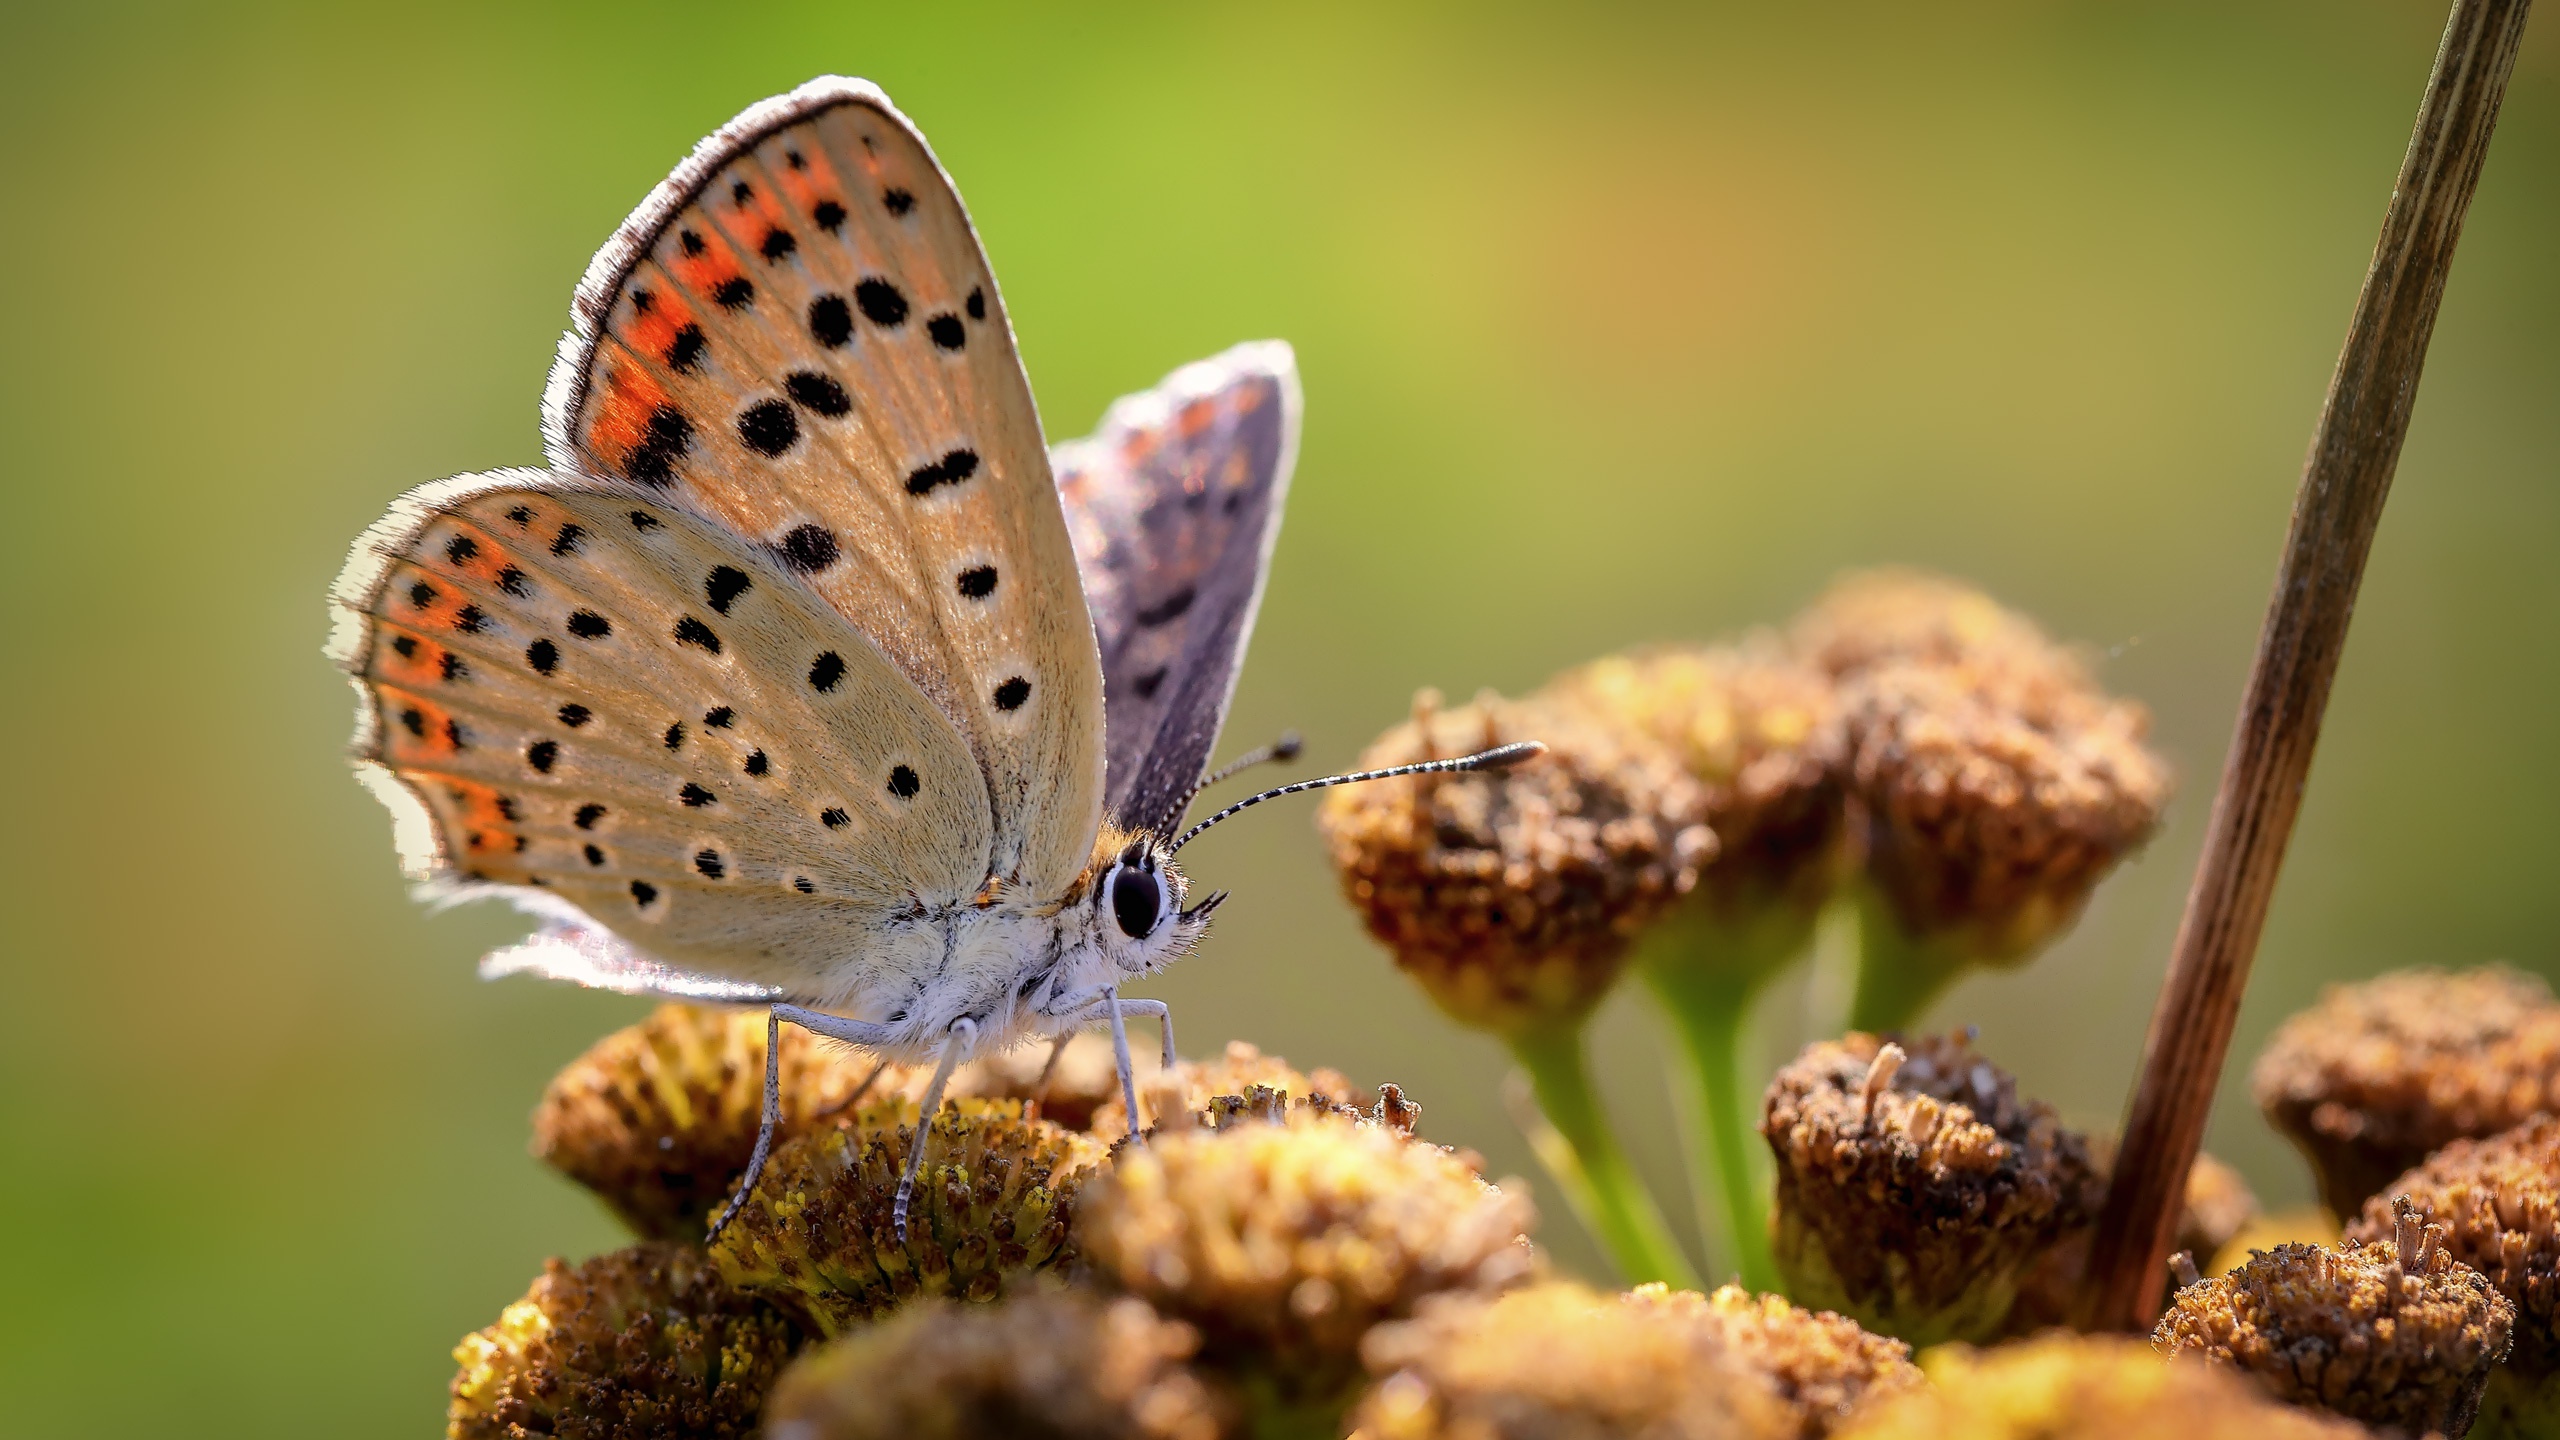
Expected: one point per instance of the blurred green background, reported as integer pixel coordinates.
(1615, 325)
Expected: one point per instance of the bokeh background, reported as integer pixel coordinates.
(1616, 325)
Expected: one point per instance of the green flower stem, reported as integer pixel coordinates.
(1706, 970)
(1900, 974)
(1581, 1152)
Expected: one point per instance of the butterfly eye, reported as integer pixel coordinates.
(1137, 901)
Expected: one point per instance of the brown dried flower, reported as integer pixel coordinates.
(1891, 615)
(1556, 1362)
(1064, 1365)
(2396, 1335)
(1513, 896)
(1192, 1085)
(992, 1202)
(2218, 1208)
(659, 1118)
(1995, 804)
(1284, 1242)
(2084, 1387)
(1916, 1192)
(1820, 1366)
(640, 1343)
(2498, 1203)
(1083, 1079)
(2378, 1074)
(1761, 731)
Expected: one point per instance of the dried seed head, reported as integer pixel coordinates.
(2218, 1207)
(2494, 1205)
(1285, 1242)
(1918, 1210)
(2355, 1330)
(1556, 1362)
(1065, 1365)
(1761, 731)
(1993, 804)
(1191, 1087)
(1878, 617)
(1513, 896)
(2377, 1075)
(659, 1118)
(1819, 1365)
(991, 1204)
(1084, 1078)
(640, 1343)
(2084, 1387)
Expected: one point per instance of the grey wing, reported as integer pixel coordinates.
(1173, 505)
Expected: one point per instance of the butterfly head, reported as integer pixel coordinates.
(1138, 898)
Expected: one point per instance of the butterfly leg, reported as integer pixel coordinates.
(1120, 1057)
(1154, 1010)
(817, 1022)
(962, 1038)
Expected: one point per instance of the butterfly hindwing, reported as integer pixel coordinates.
(1174, 505)
(602, 697)
(798, 338)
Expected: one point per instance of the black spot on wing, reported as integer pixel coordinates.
(808, 549)
(414, 720)
(422, 594)
(695, 797)
(710, 864)
(691, 242)
(819, 393)
(574, 715)
(542, 755)
(804, 885)
(740, 192)
(595, 855)
(734, 292)
(653, 460)
(947, 331)
(450, 667)
(521, 514)
(829, 215)
(768, 428)
(1012, 693)
(830, 321)
(407, 645)
(951, 469)
(468, 619)
(1146, 685)
(834, 818)
(674, 737)
(977, 306)
(684, 353)
(461, 549)
(978, 582)
(567, 541)
(718, 718)
(904, 783)
(1169, 609)
(643, 521)
(588, 625)
(690, 631)
(897, 201)
(543, 656)
(724, 585)
(777, 243)
(756, 764)
(881, 302)
(644, 892)
(826, 672)
(588, 814)
(511, 580)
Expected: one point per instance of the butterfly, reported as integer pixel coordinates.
(804, 674)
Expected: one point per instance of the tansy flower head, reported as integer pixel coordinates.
(1820, 1366)
(2084, 1387)
(644, 1342)
(2398, 1335)
(1760, 731)
(1285, 1241)
(2218, 1207)
(1513, 896)
(2376, 1075)
(1191, 1087)
(1994, 806)
(992, 1203)
(1916, 1190)
(1063, 1365)
(1892, 615)
(1557, 1362)
(659, 1118)
(2497, 1204)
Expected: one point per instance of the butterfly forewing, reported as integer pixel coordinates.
(798, 337)
(1173, 505)
(598, 694)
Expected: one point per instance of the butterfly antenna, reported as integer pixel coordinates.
(1284, 748)
(1500, 757)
